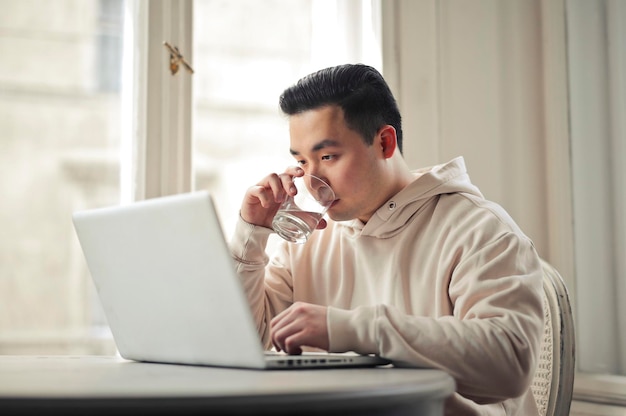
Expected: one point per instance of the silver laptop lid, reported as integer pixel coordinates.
(167, 284)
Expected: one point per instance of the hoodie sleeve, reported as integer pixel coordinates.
(266, 299)
(490, 341)
(248, 251)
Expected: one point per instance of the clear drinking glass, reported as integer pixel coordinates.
(299, 215)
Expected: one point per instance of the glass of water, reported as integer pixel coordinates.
(299, 215)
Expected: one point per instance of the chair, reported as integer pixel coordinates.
(553, 382)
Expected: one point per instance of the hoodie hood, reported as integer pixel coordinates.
(390, 218)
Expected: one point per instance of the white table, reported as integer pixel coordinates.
(111, 385)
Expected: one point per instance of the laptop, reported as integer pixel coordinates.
(169, 291)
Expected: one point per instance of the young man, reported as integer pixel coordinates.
(414, 266)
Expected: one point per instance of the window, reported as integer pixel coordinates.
(59, 117)
(245, 55)
(91, 116)
(596, 41)
(597, 64)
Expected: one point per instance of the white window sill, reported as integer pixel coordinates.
(595, 409)
(601, 388)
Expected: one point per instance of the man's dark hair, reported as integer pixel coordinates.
(360, 91)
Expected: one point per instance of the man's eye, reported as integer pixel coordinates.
(301, 162)
(328, 157)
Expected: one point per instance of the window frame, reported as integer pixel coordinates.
(588, 386)
(158, 136)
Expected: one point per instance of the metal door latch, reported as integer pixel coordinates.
(176, 58)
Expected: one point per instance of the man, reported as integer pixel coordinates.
(414, 266)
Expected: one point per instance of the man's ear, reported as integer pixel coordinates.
(388, 140)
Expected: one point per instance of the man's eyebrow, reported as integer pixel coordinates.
(318, 146)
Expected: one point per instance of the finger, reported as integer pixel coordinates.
(287, 178)
(286, 316)
(275, 326)
(277, 341)
(290, 338)
(281, 327)
(276, 346)
(287, 183)
(261, 194)
(293, 345)
(294, 171)
(274, 182)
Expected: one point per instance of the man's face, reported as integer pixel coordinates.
(324, 146)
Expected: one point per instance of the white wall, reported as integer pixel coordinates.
(469, 79)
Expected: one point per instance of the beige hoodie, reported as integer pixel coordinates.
(438, 277)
